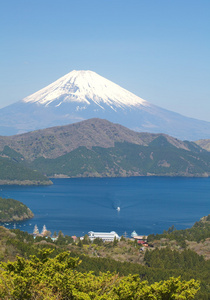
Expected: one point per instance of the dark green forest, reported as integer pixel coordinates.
(126, 159)
(14, 170)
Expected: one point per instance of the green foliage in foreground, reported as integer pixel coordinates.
(13, 210)
(158, 264)
(56, 278)
(198, 232)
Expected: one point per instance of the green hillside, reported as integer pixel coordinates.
(97, 148)
(57, 141)
(159, 158)
(200, 231)
(14, 172)
(13, 210)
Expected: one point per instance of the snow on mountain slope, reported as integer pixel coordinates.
(82, 95)
(85, 87)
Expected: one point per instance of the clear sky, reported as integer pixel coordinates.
(157, 49)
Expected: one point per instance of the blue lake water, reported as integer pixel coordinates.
(147, 204)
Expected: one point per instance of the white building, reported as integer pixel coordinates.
(105, 236)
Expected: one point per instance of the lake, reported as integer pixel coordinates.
(147, 204)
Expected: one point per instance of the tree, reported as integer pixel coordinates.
(86, 240)
(43, 277)
(80, 243)
(115, 242)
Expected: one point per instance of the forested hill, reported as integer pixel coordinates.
(159, 158)
(56, 141)
(13, 210)
(12, 172)
(98, 148)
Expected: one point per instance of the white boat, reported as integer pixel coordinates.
(118, 208)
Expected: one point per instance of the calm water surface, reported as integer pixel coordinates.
(147, 204)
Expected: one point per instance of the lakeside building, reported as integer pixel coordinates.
(74, 238)
(105, 236)
(133, 234)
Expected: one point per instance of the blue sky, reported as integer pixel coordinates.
(159, 50)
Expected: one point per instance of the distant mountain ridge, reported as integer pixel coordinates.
(81, 95)
(99, 148)
(56, 141)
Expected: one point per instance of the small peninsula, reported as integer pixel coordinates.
(12, 210)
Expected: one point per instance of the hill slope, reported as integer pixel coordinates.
(13, 210)
(56, 141)
(100, 148)
(126, 159)
(14, 171)
(205, 144)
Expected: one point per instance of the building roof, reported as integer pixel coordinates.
(103, 235)
(140, 237)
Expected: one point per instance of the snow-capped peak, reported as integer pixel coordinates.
(84, 87)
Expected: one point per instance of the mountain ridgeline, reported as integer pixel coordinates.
(99, 148)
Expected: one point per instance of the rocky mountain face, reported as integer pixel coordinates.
(82, 95)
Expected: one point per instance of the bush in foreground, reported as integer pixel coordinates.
(42, 277)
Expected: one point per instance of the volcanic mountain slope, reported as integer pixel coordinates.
(99, 148)
(81, 95)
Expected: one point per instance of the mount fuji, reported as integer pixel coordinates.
(81, 95)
